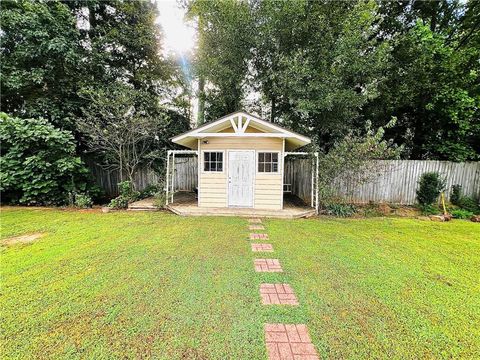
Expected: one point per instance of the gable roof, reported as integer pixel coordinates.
(240, 121)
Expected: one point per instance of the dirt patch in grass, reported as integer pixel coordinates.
(23, 239)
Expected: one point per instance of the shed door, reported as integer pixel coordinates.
(241, 169)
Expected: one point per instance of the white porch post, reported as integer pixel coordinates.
(283, 167)
(168, 175)
(316, 186)
(312, 185)
(173, 175)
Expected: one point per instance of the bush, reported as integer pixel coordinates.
(150, 190)
(469, 204)
(120, 202)
(430, 209)
(461, 214)
(430, 187)
(341, 210)
(160, 199)
(456, 194)
(38, 163)
(127, 195)
(83, 201)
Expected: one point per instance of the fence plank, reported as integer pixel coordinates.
(186, 177)
(396, 184)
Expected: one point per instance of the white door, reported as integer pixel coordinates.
(241, 169)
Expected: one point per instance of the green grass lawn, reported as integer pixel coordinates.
(140, 285)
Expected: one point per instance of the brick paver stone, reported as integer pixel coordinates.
(262, 247)
(277, 294)
(255, 221)
(289, 342)
(267, 265)
(254, 236)
(256, 227)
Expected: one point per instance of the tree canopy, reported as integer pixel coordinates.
(325, 68)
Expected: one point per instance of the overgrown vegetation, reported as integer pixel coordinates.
(340, 210)
(461, 214)
(456, 194)
(466, 204)
(324, 67)
(38, 162)
(351, 161)
(127, 195)
(95, 69)
(83, 201)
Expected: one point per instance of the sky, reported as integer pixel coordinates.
(179, 36)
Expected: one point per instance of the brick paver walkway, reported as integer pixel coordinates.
(262, 247)
(256, 227)
(277, 294)
(254, 236)
(284, 341)
(289, 342)
(267, 265)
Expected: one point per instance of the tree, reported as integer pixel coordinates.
(54, 51)
(432, 81)
(38, 162)
(121, 128)
(130, 92)
(318, 64)
(225, 31)
(40, 61)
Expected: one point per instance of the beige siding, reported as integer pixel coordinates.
(212, 188)
(213, 191)
(268, 191)
(243, 143)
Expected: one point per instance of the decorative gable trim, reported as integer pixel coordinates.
(240, 128)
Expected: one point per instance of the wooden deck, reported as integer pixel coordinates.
(185, 204)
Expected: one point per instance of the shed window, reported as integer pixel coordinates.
(267, 162)
(213, 161)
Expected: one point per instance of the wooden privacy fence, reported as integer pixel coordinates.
(186, 178)
(397, 181)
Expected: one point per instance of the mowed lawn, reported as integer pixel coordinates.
(155, 285)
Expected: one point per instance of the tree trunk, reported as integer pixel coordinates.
(201, 101)
(273, 109)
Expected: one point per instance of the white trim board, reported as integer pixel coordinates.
(241, 128)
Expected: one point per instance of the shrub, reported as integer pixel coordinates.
(120, 202)
(430, 187)
(430, 209)
(160, 199)
(150, 190)
(351, 160)
(38, 163)
(461, 214)
(468, 203)
(127, 195)
(456, 194)
(83, 201)
(341, 210)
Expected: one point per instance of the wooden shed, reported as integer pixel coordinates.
(240, 162)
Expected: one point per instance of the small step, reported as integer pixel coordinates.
(143, 205)
(138, 208)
